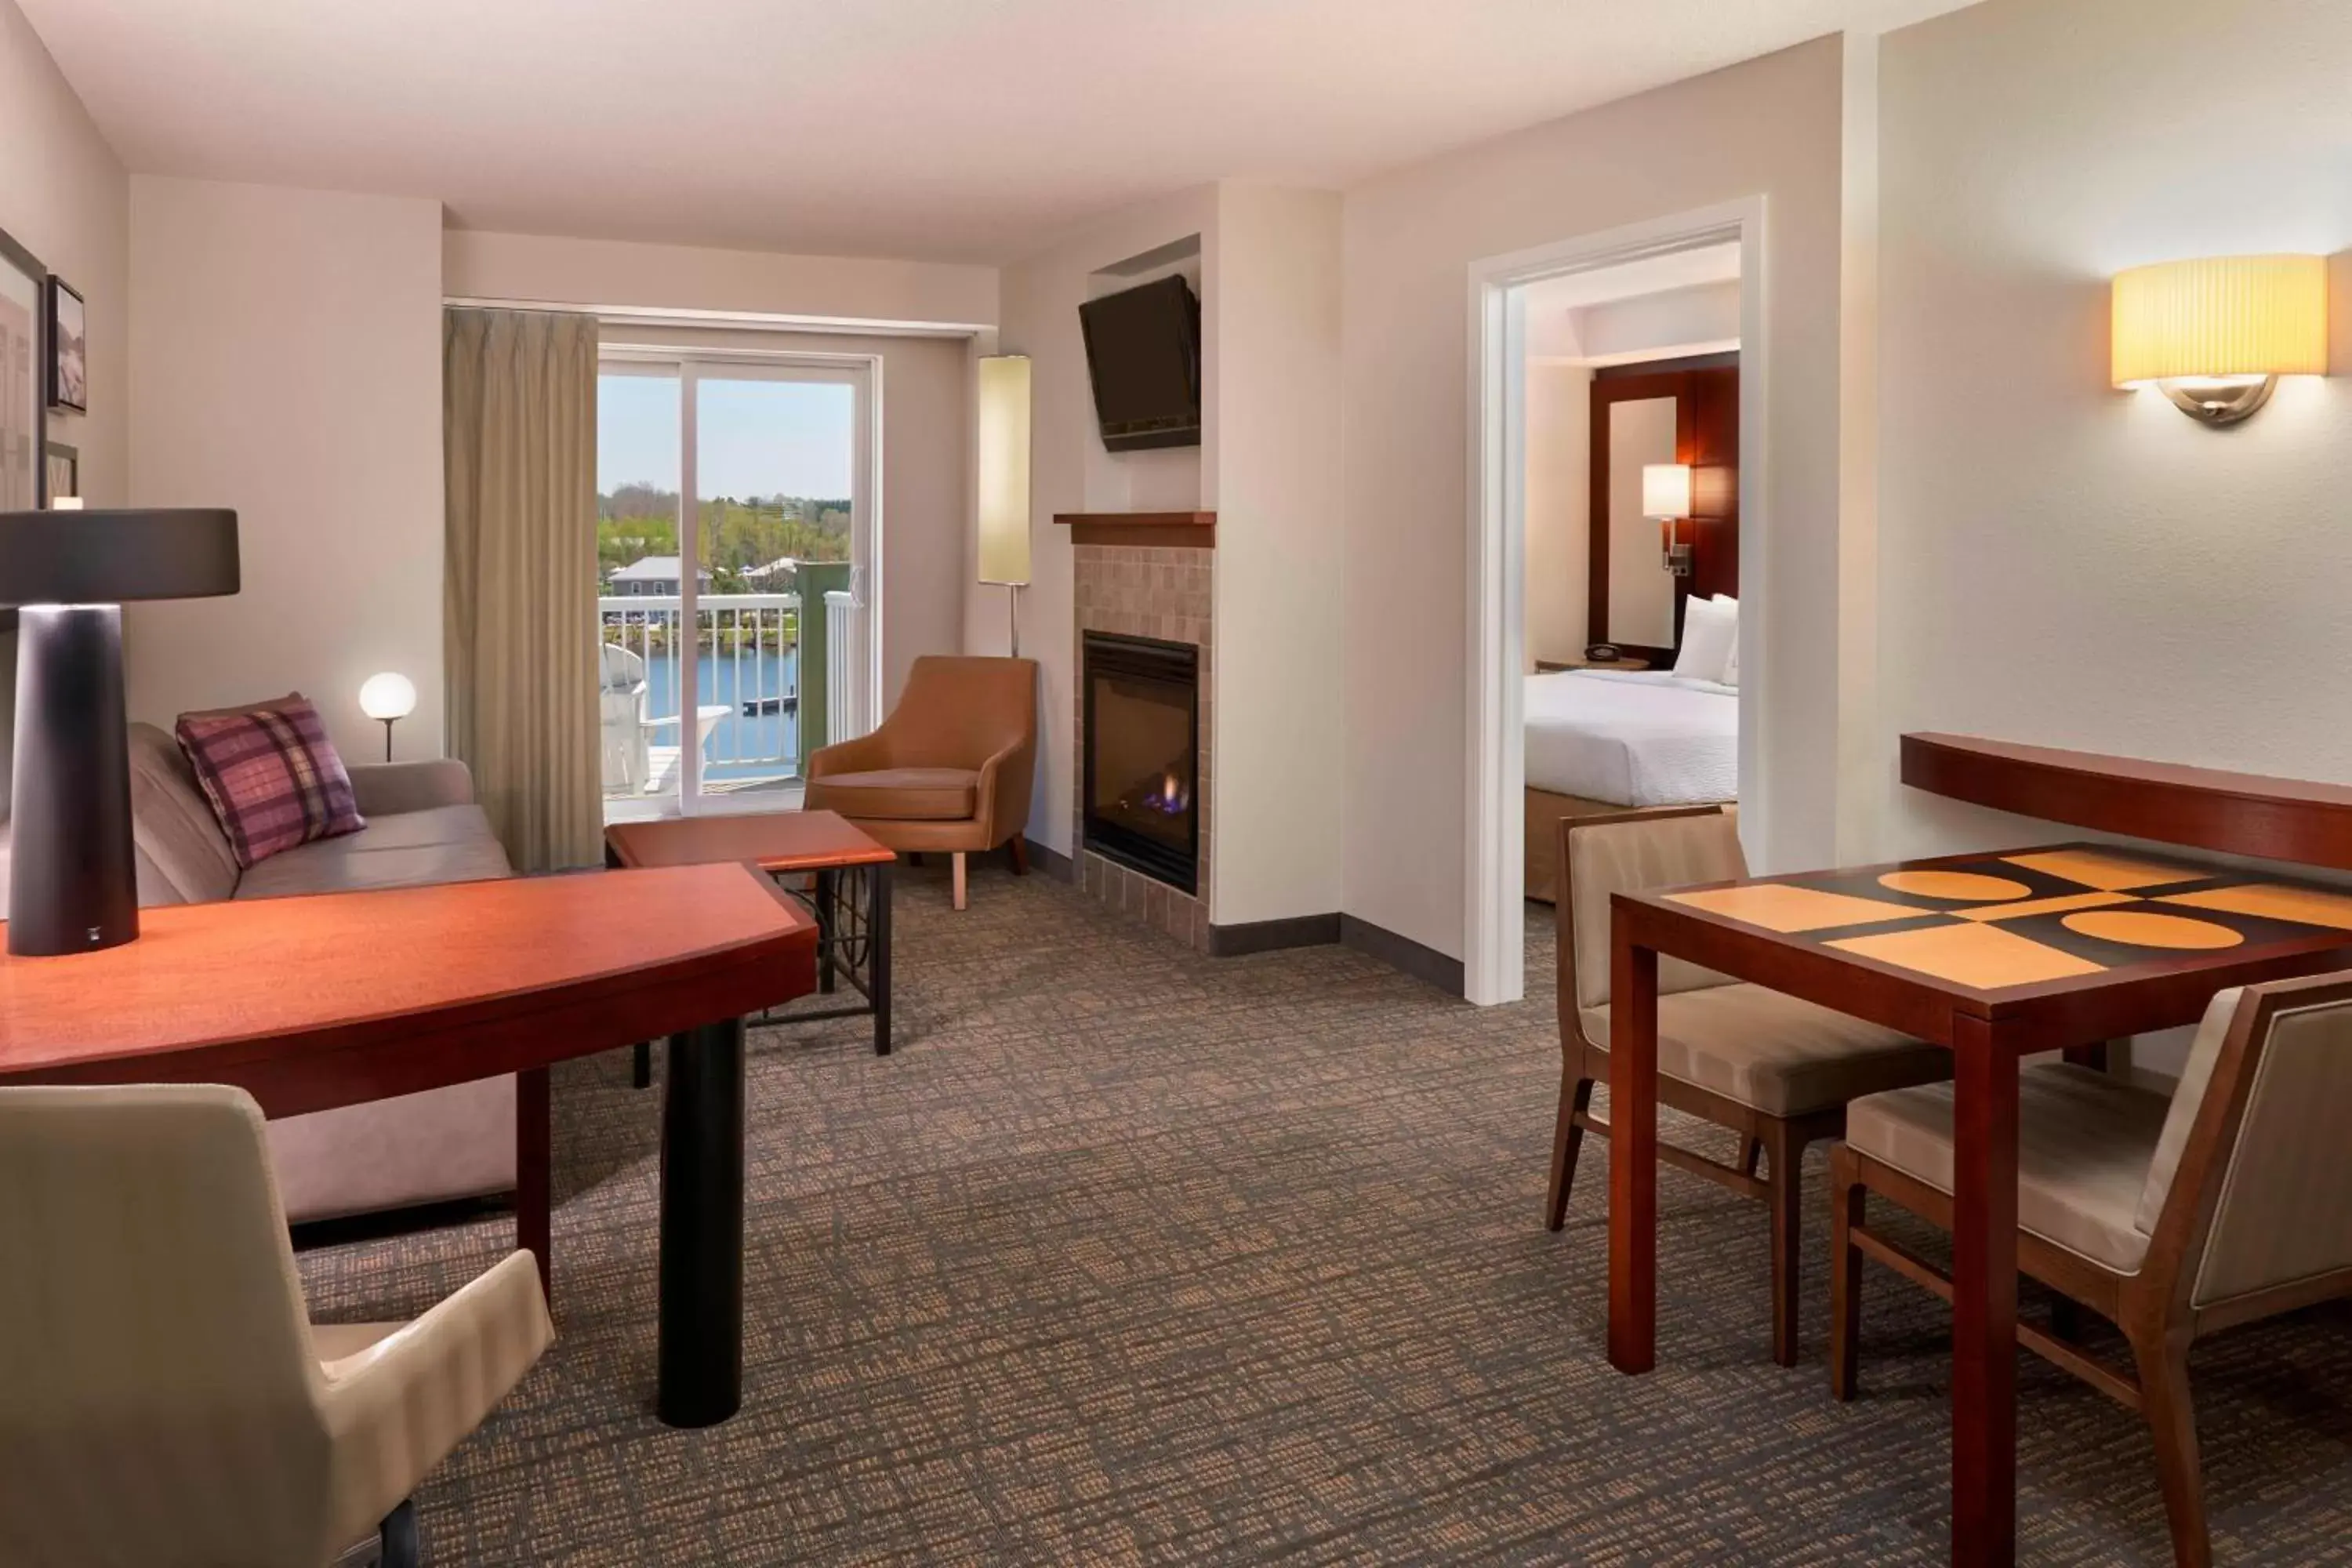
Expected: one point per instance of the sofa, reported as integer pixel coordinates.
(422, 826)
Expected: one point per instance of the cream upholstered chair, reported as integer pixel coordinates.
(951, 768)
(167, 1401)
(2229, 1201)
(1773, 1070)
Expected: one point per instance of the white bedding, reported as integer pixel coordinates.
(1633, 737)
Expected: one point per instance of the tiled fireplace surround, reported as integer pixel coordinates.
(1147, 591)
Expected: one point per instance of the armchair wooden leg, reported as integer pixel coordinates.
(1751, 1154)
(1848, 1203)
(1566, 1138)
(959, 878)
(1786, 1181)
(401, 1541)
(2173, 1423)
(1020, 847)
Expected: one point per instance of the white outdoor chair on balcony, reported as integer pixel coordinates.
(631, 764)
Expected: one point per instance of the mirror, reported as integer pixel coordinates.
(1641, 599)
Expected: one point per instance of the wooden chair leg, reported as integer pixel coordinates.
(2066, 1319)
(1848, 1205)
(1787, 1196)
(1020, 848)
(959, 879)
(1751, 1155)
(1566, 1138)
(2172, 1424)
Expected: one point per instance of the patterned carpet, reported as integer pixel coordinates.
(1134, 1255)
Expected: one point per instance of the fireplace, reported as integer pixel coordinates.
(1141, 755)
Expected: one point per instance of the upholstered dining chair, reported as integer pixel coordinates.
(169, 1403)
(2229, 1201)
(1774, 1070)
(949, 770)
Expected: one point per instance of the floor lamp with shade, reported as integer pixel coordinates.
(1004, 475)
(73, 885)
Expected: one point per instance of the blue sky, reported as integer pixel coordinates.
(759, 438)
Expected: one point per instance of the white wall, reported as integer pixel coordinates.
(926, 396)
(1040, 318)
(1769, 126)
(63, 197)
(610, 274)
(1558, 501)
(286, 360)
(2063, 564)
(1279, 766)
(1703, 319)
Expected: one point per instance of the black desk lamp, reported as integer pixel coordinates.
(73, 885)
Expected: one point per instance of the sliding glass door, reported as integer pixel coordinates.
(760, 608)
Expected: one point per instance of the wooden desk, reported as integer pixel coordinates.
(1993, 957)
(312, 1003)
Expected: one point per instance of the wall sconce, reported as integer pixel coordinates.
(1666, 497)
(1003, 473)
(2215, 335)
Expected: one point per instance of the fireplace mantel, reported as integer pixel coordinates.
(1186, 529)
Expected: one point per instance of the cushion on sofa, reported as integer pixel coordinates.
(272, 776)
(178, 838)
(407, 849)
(898, 795)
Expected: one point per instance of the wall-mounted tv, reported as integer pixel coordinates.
(1144, 353)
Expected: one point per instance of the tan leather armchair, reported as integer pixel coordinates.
(169, 1403)
(949, 770)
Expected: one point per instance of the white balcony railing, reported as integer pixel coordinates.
(747, 704)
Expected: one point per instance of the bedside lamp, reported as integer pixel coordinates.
(388, 697)
(73, 886)
(2215, 335)
(1666, 497)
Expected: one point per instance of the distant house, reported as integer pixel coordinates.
(655, 574)
(774, 573)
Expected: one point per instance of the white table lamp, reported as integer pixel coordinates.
(388, 697)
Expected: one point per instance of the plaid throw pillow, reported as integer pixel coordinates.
(271, 774)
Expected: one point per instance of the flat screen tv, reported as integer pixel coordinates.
(1144, 353)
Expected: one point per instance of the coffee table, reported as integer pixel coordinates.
(851, 896)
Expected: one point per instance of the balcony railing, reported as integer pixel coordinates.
(747, 706)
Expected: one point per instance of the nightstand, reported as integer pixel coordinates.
(1554, 666)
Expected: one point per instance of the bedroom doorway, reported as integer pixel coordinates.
(1617, 410)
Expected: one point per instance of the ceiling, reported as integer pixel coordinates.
(947, 130)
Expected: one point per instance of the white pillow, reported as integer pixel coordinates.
(1710, 632)
(1731, 665)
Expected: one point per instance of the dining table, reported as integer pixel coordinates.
(1994, 957)
(336, 998)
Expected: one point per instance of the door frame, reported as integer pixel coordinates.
(1494, 935)
(863, 373)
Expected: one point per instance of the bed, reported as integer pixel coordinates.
(1601, 742)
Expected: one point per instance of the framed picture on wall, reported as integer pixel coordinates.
(23, 375)
(68, 353)
(64, 475)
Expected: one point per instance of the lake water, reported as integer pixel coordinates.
(756, 747)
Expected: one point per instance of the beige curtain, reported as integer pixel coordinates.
(519, 603)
